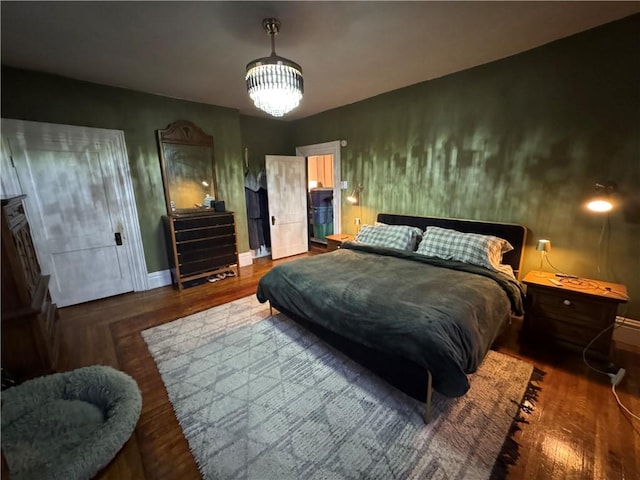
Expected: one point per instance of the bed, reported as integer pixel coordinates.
(409, 301)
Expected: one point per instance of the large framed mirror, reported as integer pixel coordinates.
(188, 168)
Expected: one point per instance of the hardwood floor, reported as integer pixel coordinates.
(576, 431)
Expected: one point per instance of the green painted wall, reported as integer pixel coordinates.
(46, 98)
(520, 140)
(263, 136)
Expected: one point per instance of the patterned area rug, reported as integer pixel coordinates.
(260, 397)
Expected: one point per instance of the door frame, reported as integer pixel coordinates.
(328, 148)
(115, 138)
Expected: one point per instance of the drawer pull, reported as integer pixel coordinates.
(567, 302)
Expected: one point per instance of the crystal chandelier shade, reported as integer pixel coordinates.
(274, 83)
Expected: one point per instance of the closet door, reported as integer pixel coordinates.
(287, 187)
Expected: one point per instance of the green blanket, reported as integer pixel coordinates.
(439, 314)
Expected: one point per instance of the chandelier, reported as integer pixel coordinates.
(274, 83)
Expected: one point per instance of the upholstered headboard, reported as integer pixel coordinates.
(515, 234)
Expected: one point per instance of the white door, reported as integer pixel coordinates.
(287, 187)
(74, 193)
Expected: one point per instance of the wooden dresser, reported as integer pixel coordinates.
(30, 326)
(201, 245)
(572, 312)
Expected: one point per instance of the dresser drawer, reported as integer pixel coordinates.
(206, 232)
(570, 308)
(203, 221)
(210, 251)
(207, 264)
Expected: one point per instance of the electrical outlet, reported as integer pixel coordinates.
(617, 378)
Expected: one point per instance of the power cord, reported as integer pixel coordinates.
(615, 394)
(584, 351)
(577, 282)
(604, 244)
(546, 257)
(615, 378)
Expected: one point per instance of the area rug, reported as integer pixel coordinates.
(260, 397)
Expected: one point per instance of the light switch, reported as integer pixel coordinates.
(344, 185)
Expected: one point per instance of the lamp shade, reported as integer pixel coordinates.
(600, 205)
(602, 201)
(543, 245)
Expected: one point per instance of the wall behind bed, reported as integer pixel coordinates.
(521, 140)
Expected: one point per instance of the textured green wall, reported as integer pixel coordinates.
(520, 140)
(46, 98)
(263, 136)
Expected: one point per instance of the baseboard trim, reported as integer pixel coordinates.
(245, 259)
(159, 279)
(162, 278)
(627, 331)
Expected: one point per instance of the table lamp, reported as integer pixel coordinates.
(543, 247)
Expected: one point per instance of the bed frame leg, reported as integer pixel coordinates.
(427, 405)
(270, 309)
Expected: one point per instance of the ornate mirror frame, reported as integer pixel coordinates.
(188, 168)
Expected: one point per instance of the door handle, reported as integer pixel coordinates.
(273, 220)
(118, 236)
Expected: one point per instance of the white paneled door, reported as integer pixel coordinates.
(76, 192)
(288, 214)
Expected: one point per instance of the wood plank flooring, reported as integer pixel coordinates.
(575, 432)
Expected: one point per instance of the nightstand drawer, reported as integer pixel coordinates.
(579, 335)
(573, 309)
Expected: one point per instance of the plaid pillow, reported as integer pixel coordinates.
(401, 237)
(483, 250)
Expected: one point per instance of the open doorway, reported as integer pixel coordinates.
(323, 172)
(320, 175)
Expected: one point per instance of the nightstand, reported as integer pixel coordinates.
(570, 312)
(335, 241)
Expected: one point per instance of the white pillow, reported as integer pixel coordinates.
(474, 248)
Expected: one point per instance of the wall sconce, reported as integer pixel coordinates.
(602, 202)
(354, 198)
(543, 247)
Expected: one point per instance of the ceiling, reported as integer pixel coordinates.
(349, 51)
